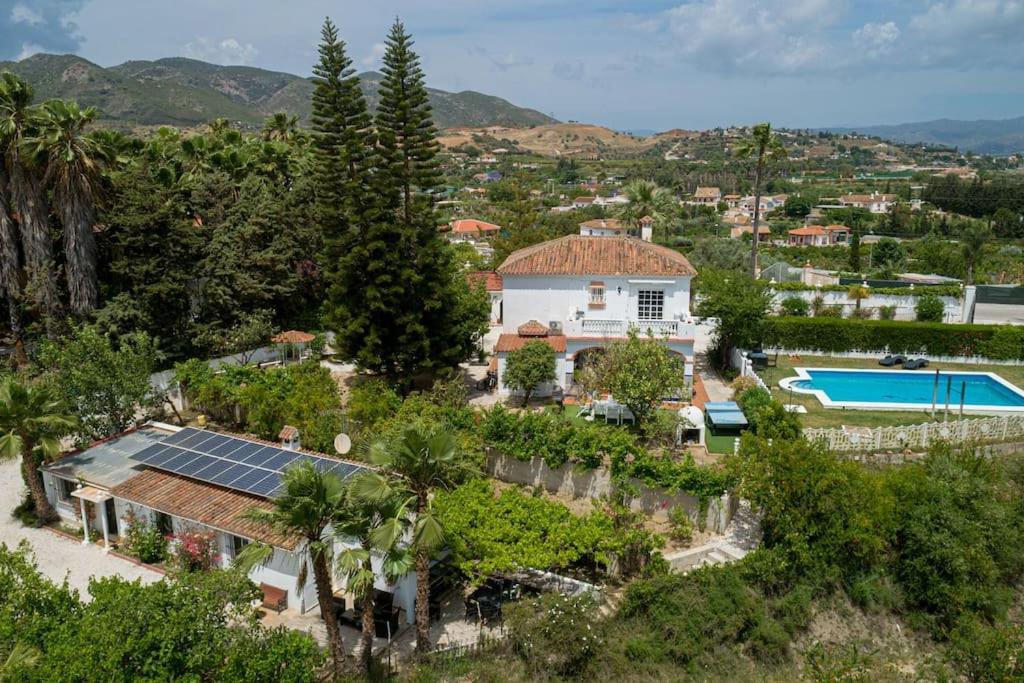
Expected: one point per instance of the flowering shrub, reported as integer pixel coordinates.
(554, 632)
(143, 540)
(196, 551)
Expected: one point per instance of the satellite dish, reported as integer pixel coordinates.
(342, 443)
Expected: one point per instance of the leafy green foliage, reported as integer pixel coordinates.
(200, 626)
(303, 395)
(639, 372)
(554, 632)
(529, 366)
(987, 652)
(740, 305)
(897, 336)
(104, 383)
(929, 309)
(795, 306)
(768, 417)
(144, 541)
(490, 532)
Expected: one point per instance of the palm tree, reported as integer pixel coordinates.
(73, 167)
(280, 127)
(31, 424)
(417, 464)
(18, 119)
(10, 263)
(377, 526)
(767, 147)
(645, 199)
(21, 658)
(310, 501)
(858, 293)
(972, 244)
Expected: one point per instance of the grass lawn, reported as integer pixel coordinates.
(719, 444)
(818, 416)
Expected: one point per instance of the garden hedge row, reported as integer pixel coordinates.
(999, 342)
(935, 290)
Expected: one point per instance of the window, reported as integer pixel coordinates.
(650, 304)
(64, 489)
(237, 543)
(596, 294)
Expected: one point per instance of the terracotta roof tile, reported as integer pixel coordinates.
(293, 337)
(604, 224)
(584, 255)
(472, 225)
(533, 329)
(207, 504)
(490, 280)
(808, 230)
(514, 342)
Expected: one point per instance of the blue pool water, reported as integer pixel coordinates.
(910, 388)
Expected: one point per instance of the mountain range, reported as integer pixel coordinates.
(188, 92)
(1005, 136)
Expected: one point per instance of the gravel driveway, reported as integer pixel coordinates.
(58, 556)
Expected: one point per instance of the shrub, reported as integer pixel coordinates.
(895, 336)
(681, 525)
(795, 305)
(862, 313)
(985, 652)
(741, 384)
(196, 551)
(929, 309)
(1006, 343)
(554, 633)
(529, 366)
(371, 402)
(886, 312)
(144, 541)
(768, 417)
(833, 311)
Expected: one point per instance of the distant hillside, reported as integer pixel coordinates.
(1004, 136)
(188, 92)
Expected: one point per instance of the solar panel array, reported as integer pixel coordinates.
(231, 461)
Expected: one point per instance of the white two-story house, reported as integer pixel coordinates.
(579, 292)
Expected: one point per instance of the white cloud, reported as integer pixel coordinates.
(503, 62)
(27, 50)
(20, 14)
(228, 51)
(876, 39)
(765, 36)
(968, 33)
(376, 53)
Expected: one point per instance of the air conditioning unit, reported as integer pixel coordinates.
(555, 326)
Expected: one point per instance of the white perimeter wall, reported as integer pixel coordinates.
(954, 309)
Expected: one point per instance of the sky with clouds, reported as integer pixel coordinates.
(641, 64)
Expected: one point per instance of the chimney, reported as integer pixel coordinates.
(289, 437)
(647, 229)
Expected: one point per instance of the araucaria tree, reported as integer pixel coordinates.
(394, 295)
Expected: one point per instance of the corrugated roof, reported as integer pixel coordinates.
(107, 463)
(585, 255)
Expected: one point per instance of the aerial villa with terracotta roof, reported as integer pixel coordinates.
(579, 292)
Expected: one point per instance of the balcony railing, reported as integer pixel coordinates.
(595, 327)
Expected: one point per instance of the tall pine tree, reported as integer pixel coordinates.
(393, 296)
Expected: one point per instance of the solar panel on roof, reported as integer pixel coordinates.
(265, 487)
(231, 461)
(261, 456)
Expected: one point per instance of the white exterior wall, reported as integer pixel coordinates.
(954, 310)
(550, 298)
(496, 298)
(562, 366)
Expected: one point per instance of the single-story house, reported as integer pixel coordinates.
(197, 480)
(471, 229)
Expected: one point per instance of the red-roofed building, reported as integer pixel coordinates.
(579, 292)
(471, 229)
(491, 281)
(819, 236)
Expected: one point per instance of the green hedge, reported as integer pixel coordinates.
(999, 342)
(935, 290)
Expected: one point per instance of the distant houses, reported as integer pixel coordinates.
(471, 230)
(819, 236)
(875, 202)
(708, 196)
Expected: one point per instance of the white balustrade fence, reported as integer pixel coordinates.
(988, 429)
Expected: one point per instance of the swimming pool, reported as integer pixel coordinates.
(984, 392)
